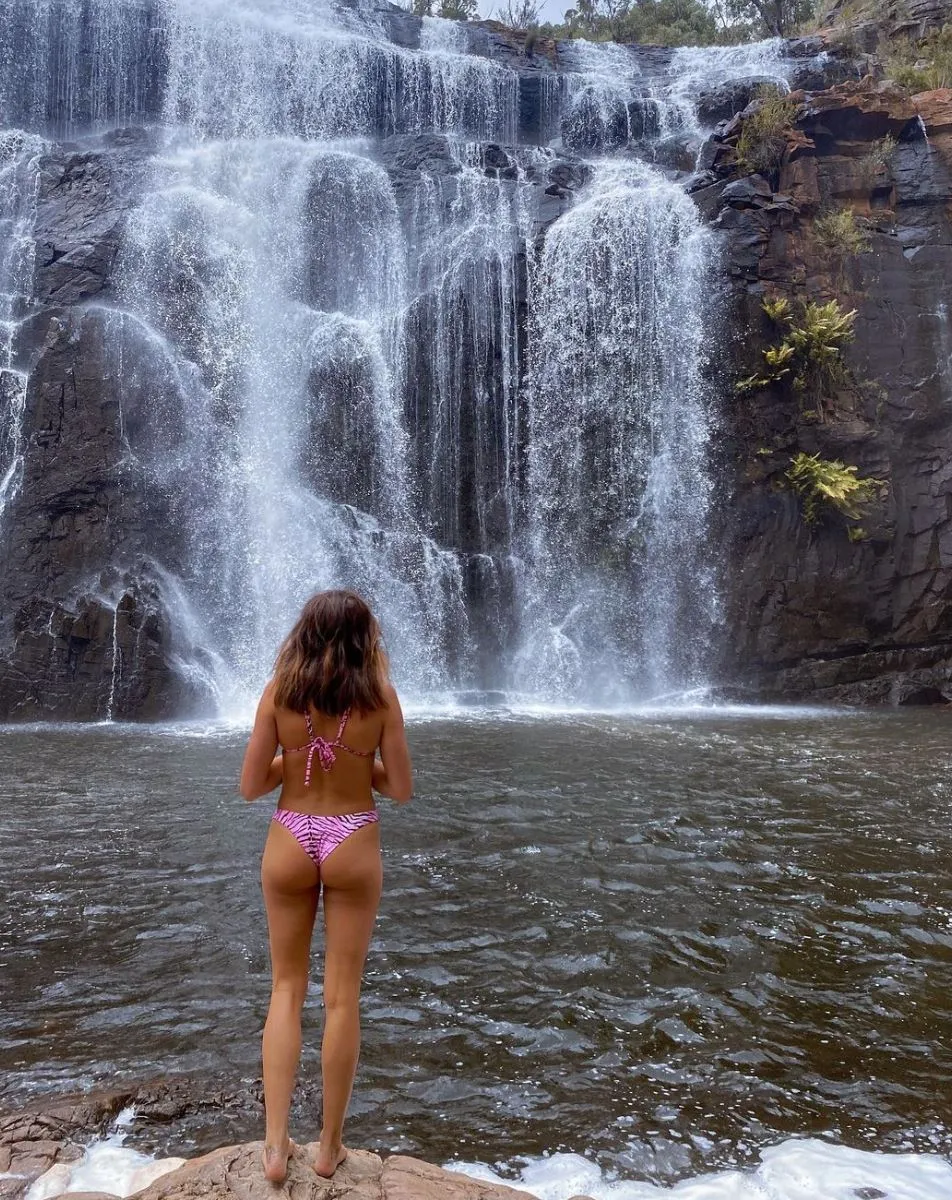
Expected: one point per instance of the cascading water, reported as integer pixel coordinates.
(618, 483)
(284, 283)
(19, 154)
(368, 338)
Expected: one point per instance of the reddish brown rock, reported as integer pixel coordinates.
(235, 1171)
(935, 109)
(859, 111)
(32, 1141)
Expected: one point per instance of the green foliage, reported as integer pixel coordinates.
(924, 65)
(877, 159)
(810, 351)
(768, 18)
(654, 22)
(453, 10)
(839, 232)
(828, 484)
(777, 309)
(780, 359)
(668, 23)
(763, 138)
(819, 339)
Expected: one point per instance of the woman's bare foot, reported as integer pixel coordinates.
(275, 1162)
(328, 1159)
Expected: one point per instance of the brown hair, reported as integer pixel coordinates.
(332, 658)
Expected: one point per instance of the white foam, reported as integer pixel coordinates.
(106, 1166)
(797, 1169)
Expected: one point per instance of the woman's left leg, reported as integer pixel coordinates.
(291, 886)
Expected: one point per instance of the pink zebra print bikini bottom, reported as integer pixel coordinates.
(320, 836)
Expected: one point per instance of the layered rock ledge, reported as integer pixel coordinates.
(43, 1148)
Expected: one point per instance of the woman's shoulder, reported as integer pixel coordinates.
(391, 702)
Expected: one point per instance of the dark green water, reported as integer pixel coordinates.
(662, 941)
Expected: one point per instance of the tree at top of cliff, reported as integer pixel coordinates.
(651, 22)
(766, 18)
(452, 10)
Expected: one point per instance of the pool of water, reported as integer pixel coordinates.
(662, 940)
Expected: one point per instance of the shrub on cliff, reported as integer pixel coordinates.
(924, 65)
(824, 483)
(875, 163)
(764, 135)
(810, 354)
(840, 233)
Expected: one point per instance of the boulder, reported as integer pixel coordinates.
(235, 1173)
(725, 101)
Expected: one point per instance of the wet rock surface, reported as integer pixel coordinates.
(812, 613)
(49, 1143)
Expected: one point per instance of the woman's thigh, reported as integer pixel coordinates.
(351, 876)
(291, 886)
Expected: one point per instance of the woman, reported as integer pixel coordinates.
(331, 707)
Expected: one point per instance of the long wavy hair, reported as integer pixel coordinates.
(332, 658)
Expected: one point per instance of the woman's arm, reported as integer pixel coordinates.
(263, 769)
(393, 775)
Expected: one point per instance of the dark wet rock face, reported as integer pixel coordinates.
(813, 613)
(726, 101)
(81, 203)
(84, 639)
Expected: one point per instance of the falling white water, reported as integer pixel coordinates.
(286, 284)
(615, 96)
(695, 69)
(464, 373)
(354, 349)
(944, 340)
(19, 155)
(618, 484)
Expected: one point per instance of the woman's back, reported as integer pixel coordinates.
(328, 760)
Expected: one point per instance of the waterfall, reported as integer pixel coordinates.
(390, 310)
(19, 154)
(278, 267)
(618, 480)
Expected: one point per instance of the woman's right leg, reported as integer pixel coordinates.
(290, 883)
(351, 877)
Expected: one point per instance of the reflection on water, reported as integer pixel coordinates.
(666, 941)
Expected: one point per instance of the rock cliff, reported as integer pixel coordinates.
(813, 612)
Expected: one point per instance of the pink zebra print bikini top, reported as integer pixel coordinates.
(326, 751)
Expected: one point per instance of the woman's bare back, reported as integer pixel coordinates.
(328, 768)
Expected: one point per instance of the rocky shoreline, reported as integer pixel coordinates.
(42, 1146)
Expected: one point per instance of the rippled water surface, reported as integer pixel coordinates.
(664, 941)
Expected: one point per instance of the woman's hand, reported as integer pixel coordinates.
(393, 775)
(263, 769)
